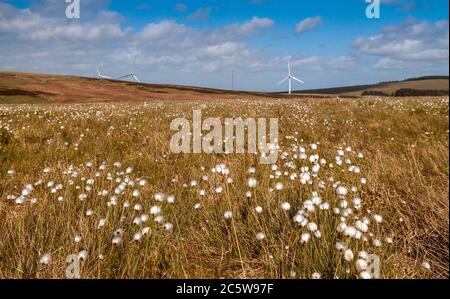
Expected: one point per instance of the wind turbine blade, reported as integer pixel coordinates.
(284, 80)
(136, 79)
(297, 79)
(126, 76)
(289, 68)
(98, 72)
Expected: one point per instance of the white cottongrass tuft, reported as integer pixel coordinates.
(260, 236)
(228, 215)
(46, 259)
(348, 255)
(286, 206)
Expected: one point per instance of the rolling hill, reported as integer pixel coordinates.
(40, 88)
(429, 83)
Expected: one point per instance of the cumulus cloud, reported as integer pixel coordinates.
(45, 42)
(251, 27)
(308, 24)
(414, 40)
(29, 25)
(163, 30)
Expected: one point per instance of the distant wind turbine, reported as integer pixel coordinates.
(100, 76)
(131, 75)
(289, 78)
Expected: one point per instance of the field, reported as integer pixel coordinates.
(98, 183)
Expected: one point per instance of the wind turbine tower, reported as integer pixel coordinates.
(289, 78)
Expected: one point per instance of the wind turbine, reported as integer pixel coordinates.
(100, 76)
(289, 78)
(132, 74)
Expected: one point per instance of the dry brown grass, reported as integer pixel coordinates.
(404, 141)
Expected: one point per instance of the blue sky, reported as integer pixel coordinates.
(330, 43)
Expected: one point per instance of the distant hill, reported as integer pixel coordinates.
(39, 88)
(429, 85)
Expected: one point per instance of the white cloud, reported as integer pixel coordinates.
(308, 24)
(413, 40)
(251, 27)
(162, 30)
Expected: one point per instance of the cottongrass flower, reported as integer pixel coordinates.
(78, 238)
(159, 219)
(286, 206)
(168, 227)
(171, 199)
(160, 197)
(376, 243)
(89, 213)
(348, 255)
(305, 238)
(219, 189)
(324, 206)
(136, 193)
(279, 186)
(426, 265)
(193, 183)
(228, 215)
(341, 191)
(146, 230)
(101, 223)
(341, 246)
(117, 240)
(362, 226)
(82, 255)
(258, 209)
(312, 226)
(46, 259)
(155, 210)
(251, 182)
(388, 240)
(316, 275)
(198, 206)
(301, 220)
(378, 218)
(137, 221)
(260, 236)
(137, 236)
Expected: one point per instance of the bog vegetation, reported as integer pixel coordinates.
(354, 179)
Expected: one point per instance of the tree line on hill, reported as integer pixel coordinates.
(407, 92)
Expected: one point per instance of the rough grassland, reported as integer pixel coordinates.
(68, 153)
